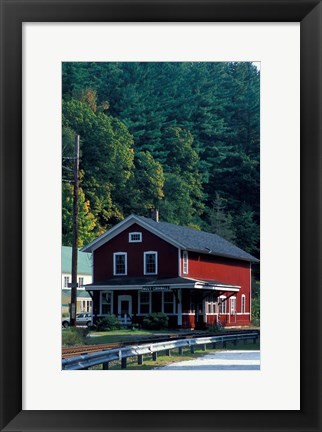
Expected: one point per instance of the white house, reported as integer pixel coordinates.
(84, 276)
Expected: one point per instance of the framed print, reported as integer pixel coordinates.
(35, 39)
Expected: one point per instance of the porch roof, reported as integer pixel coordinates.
(146, 282)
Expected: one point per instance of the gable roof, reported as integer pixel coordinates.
(182, 237)
(200, 241)
(84, 261)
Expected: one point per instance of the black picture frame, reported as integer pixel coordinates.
(13, 14)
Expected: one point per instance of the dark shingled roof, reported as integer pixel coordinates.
(199, 241)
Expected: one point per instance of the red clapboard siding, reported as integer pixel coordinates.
(167, 255)
(235, 272)
(212, 267)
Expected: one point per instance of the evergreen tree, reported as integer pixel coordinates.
(221, 222)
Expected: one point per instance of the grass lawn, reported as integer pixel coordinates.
(131, 335)
(164, 360)
(123, 336)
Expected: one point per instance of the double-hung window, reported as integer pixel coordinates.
(120, 263)
(185, 262)
(150, 263)
(66, 281)
(106, 303)
(222, 303)
(243, 304)
(80, 281)
(144, 302)
(168, 302)
(211, 304)
(233, 305)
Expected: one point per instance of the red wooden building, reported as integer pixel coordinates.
(142, 266)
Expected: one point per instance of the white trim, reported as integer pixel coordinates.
(156, 263)
(243, 297)
(93, 267)
(138, 287)
(179, 262)
(117, 229)
(204, 312)
(112, 300)
(185, 256)
(130, 220)
(114, 263)
(139, 302)
(224, 305)
(124, 298)
(174, 303)
(179, 319)
(135, 233)
(230, 305)
(250, 289)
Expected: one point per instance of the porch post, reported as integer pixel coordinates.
(179, 316)
(204, 305)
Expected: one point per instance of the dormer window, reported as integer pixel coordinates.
(120, 263)
(135, 237)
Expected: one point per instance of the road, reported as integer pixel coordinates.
(222, 360)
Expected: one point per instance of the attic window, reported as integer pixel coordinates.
(135, 237)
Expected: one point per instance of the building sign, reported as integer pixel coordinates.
(156, 288)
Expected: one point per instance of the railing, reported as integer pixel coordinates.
(86, 361)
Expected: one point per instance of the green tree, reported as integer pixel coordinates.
(86, 219)
(199, 120)
(146, 189)
(107, 159)
(247, 233)
(221, 222)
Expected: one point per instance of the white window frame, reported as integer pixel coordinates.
(66, 281)
(156, 262)
(124, 298)
(115, 254)
(232, 301)
(210, 308)
(174, 303)
(112, 301)
(211, 305)
(243, 304)
(223, 304)
(185, 260)
(139, 303)
(135, 241)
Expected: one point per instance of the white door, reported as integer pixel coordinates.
(125, 309)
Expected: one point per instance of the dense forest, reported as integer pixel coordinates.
(182, 137)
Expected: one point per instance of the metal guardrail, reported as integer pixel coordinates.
(86, 361)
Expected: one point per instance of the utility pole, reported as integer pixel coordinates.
(74, 284)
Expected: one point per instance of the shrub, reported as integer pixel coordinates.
(107, 323)
(256, 310)
(74, 336)
(156, 321)
(216, 328)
